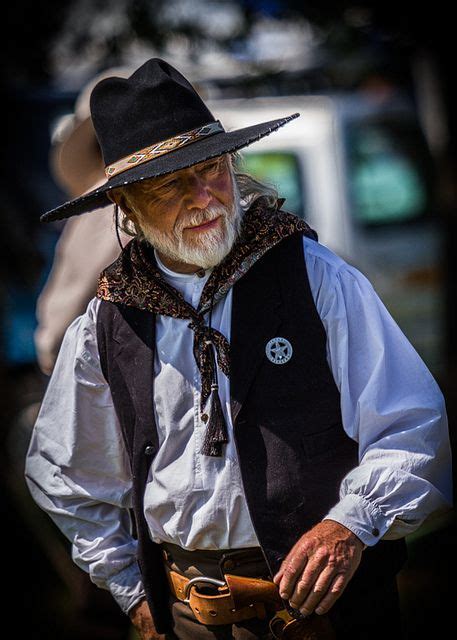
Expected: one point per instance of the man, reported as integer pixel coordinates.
(239, 390)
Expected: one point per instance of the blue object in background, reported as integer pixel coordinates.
(35, 111)
(19, 310)
(19, 325)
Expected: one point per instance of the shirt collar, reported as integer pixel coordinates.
(183, 277)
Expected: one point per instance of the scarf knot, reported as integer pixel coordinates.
(205, 338)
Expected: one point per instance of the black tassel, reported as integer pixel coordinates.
(116, 211)
(216, 431)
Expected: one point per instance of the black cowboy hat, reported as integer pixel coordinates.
(151, 124)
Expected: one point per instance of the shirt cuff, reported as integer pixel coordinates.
(362, 517)
(127, 587)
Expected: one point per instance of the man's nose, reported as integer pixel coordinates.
(198, 195)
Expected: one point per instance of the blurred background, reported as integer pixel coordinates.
(370, 164)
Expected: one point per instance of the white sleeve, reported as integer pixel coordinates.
(390, 403)
(77, 468)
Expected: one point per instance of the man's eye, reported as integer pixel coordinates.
(168, 185)
(214, 166)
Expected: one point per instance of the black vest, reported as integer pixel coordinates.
(292, 448)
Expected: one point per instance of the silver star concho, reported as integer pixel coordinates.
(279, 350)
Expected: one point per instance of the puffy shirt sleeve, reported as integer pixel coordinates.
(390, 404)
(77, 469)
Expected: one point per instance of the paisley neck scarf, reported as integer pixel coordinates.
(135, 280)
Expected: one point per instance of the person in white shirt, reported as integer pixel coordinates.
(238, 389)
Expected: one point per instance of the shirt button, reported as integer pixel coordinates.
(375, 531)
(149, 450)
(205, 417)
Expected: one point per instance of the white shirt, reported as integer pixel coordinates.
(78, 471)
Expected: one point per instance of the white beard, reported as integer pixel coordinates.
(207, 248)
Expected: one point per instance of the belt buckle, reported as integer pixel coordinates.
(194, 581)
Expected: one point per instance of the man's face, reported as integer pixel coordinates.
(191, 216)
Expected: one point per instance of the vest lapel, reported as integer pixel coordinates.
(134, 356)
(256, 317)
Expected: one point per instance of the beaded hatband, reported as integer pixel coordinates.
(161, 148)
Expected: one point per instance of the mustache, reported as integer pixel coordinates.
(201, 217)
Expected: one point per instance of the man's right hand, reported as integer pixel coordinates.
(141, 618)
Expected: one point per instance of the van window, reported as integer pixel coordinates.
(281, 170)
(389, 172)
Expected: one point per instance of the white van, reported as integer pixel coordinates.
(360, 173)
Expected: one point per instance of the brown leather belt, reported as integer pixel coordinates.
(214, 608)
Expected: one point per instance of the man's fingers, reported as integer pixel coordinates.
(277, 577)
(291, 568)
(335, 590)
(311, 587)
(328, 549)
(292, 553)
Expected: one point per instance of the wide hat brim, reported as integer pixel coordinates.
(198, 151)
